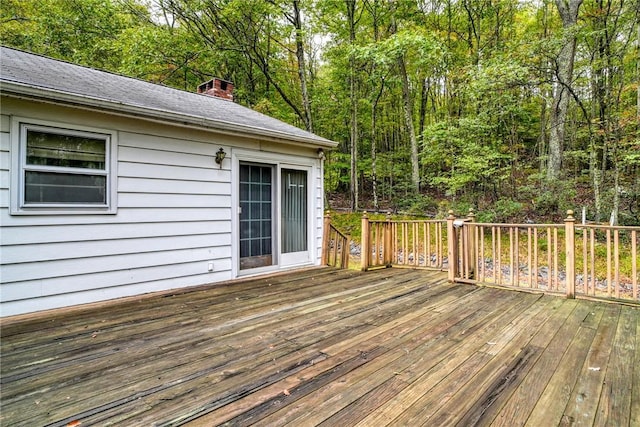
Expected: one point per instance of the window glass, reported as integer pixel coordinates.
(70, 151)
(46, 187)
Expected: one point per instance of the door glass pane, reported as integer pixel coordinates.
(294, 210)
(256, 230)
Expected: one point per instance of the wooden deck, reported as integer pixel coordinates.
(327, 347)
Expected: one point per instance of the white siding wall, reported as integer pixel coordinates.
(173, 218)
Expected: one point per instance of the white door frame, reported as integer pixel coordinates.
(279, 161)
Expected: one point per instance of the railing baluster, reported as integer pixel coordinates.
(440, 245)
(609, 278)
(593, 260)
(493, 254)
(425, 226)
(499, 256)
(335, 247)
(417, 252)
(403, 231)
(482, 267)
(379, 242)
(555, 258)
(511, 279)
(616, 260)
(464, 256)
(417, 244)
(549, 255)
(585, 277)
(529, 259)
(634, 263)
(516, 266)
(428, 245)
(535, 258)
(388, 241)
(394, 239)
(345, 252)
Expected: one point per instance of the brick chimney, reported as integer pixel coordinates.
(218, 88)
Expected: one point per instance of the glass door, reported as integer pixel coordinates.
(256, 214)
(294, 216)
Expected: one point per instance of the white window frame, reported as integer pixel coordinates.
(19, 127)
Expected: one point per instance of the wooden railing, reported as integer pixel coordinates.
(586, 260)
(573, 259)
(335, 245)
(413, 243)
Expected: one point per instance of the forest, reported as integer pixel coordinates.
(521, 109)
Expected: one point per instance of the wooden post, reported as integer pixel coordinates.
(365, 248)
(326, 229)
(452, 247)
(471, 255)
(569, 231)
(387, 246)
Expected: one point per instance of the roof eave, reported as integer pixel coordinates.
(20, 90)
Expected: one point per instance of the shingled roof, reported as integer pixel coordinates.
(34, 76)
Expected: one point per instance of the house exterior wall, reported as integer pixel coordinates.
(173, 217)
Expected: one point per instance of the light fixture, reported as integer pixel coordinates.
(220, 155)
(321, 154)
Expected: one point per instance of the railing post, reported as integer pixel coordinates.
(471, 244)
(365, 248)
(387, 248)
(326, 229)
(569, 231)
(452, 247)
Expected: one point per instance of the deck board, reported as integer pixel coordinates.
(325, 347)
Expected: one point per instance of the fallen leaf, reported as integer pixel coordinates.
(74, 423)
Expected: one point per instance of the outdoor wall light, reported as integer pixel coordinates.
(220, 155)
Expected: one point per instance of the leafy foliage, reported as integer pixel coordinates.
(480, 79)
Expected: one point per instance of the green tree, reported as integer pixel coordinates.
(81, 31)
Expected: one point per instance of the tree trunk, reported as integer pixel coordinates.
(568, 10)
(374, 117)
(351, 16)
(408, 113)
(408, 119)
(596, 179)
(302, 69)
(374, 132)
(543, 140)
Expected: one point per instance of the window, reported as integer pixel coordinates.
(63, 170)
